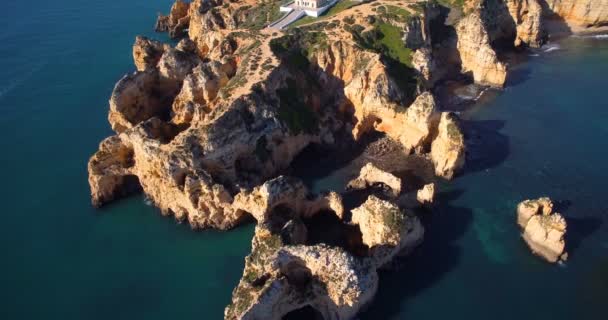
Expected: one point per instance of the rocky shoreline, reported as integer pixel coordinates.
(206, 129)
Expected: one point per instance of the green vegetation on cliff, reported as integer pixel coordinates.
(294, 112)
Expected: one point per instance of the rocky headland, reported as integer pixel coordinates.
(208, 128)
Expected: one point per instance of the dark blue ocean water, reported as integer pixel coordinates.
(546, 134)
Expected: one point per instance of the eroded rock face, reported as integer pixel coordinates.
(134, 100)
(527, 15)
(543, 229)
(448, 149)
(199, 87)
(289, 193)
(280, 278)
(371, 175)
(476, 53)
(380, 222)
(147, 53)
(579, 13)
(176, 22)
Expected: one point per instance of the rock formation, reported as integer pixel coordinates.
(489, 26)
(543, 229)
(371, 175)
(176, 22)
(206, 128)
(147, 53)
(426, 195)
(527, 16)
(578, 14)
(476, 52)
(334, 280)
(448, 149)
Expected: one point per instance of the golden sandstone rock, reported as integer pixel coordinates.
(543, 229)
(448, 150)
(371, 175)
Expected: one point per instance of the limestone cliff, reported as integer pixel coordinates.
(476, 53)
(543, 229)
(578, 13)
(492, 26)
(205, 129)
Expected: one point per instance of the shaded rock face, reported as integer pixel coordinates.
(543, 229)
(176, 22)
(578, 13)
(492, 26)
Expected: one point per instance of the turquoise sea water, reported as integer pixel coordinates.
(546, 134)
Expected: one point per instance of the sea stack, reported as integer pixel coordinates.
(543, 229)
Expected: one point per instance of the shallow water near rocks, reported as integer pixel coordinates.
(546, 134)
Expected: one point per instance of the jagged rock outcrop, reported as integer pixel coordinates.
(199, 87)
(543, 229)
(176, 22)
(424, 63)
(149, 93)
(280, 278)
(412, 127)
(448, 149)
(288, 192)
(476, 53)
(147, 53)
(371, 175)
(527, 16)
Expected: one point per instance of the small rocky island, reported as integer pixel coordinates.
(543, 229)
(208, 129)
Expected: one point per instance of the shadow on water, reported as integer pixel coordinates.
(486, 146)
(317, 161)
(428, 264)
(518, 75)
(578, 230)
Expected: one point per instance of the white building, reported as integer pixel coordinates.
(312, 4)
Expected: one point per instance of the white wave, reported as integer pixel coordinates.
(19, 80)
(594, 36)
(148, 201)
(533, 55)
(551, 48)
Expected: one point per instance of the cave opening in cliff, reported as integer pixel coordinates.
(130, 185)
(305, 313)
(325, 227)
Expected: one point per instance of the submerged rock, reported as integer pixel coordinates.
(543, 229)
